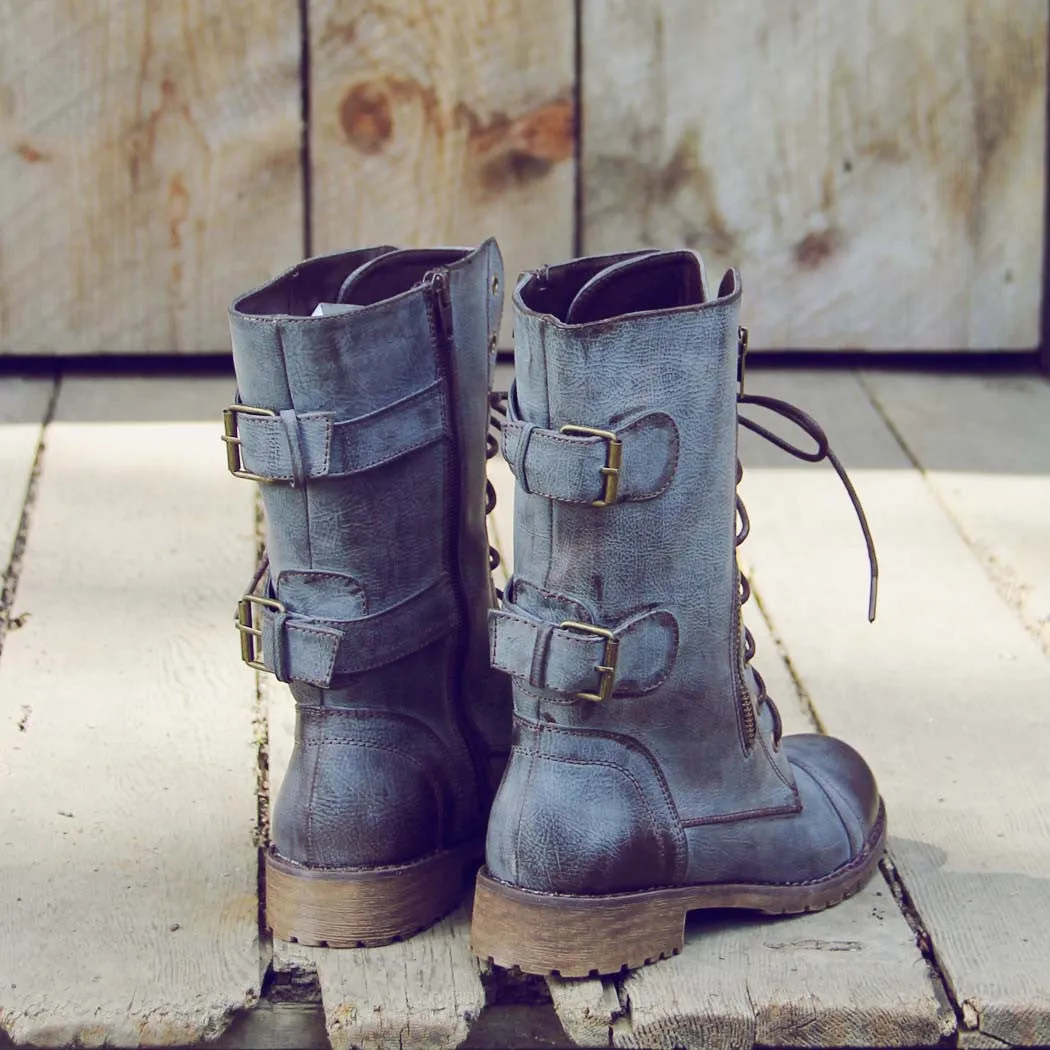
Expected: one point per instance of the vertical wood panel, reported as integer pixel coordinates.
(440, 122)
(874, 167)
(149, 169)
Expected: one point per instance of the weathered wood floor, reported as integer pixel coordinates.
(137, 755)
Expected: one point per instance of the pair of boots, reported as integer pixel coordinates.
(645, 774)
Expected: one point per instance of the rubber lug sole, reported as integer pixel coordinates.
(570, 936)
(364, 907)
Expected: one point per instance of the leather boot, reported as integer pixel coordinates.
(647, 775)
(363, 414)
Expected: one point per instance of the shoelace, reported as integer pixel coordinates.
(497, 413)
(812, 428)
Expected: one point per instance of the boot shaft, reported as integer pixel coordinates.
(363, 378)
(647, 776)
(634, 348)
(381, 414)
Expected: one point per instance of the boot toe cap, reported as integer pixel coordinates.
(845, 779)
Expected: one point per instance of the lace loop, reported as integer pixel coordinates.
(812, 428)
(497, 414)
(822, 451)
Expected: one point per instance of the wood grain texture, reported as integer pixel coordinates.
(443, 123)
(984, 446)
(127, 863)
(23, 405)
(425, 992)
(945, 696)
(875, 168)
(849, 976)
(150, 170)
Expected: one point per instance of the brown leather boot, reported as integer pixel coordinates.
(648, 777)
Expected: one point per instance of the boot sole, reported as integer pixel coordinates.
(570, 936)
(364, 907)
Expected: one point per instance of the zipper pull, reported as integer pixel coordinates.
(436, 283)
(741, 357)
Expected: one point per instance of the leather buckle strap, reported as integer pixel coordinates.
(581, 660)
(300, 648)
(231, 436)
(613, 460)
(250, 631)
(610, 657)
(636, 460)
(267, 446)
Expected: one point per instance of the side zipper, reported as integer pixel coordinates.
(746, 705)
(436, 285)
(439, 297)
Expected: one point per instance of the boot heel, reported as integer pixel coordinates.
(363, 907)
(573, 936)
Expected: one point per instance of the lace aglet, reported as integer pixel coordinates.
(873, 596)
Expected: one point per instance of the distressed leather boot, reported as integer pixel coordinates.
(647, 775)
(363, 415)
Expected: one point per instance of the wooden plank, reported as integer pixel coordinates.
(128, 910)
(984, 446)
(849, 976)
(439, 123)
(875, 167)
(945, 696)
(150, 170)
(23, 405)
(425, 992)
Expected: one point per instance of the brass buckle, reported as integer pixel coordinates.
(613, 461)
(233, 441)
(251, 636)
(607, 668)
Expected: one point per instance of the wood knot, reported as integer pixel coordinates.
(366, 118)
(513, 152)
(816, 248)
(30, 154)
(547, 133)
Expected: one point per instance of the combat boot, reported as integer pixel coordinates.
(647, 775)
(362, 413)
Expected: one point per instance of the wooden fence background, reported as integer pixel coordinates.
(876, 168)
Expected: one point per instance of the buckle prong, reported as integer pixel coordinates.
(233, 441)
(607, 668)
(613, 461)
(251, 635)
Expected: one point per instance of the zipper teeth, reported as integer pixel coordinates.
(439, 298)
(437, 282)
(747, 710)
